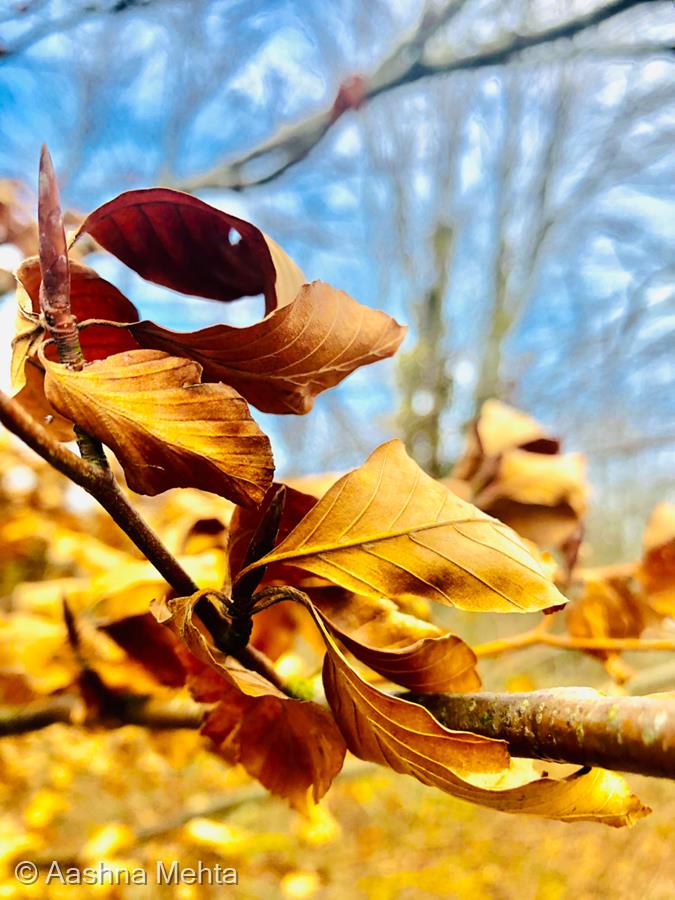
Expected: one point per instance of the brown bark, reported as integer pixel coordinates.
(569, 725)
(566, 725)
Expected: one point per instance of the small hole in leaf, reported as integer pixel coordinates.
(233, 237)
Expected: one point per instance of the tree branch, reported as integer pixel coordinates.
(569, 725)
(405, 65)
(568, 642)
(61, 24)
(68, 709)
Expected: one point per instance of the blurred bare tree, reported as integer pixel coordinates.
(500, 174)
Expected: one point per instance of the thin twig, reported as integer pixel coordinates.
(567, 642)
(405, 65)
(68, 709)
(103, 488)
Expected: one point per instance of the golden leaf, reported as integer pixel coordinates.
(396, 733)
(388, 530)
(406, 738)
(166, 429)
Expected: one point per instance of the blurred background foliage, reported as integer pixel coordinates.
(505, 188)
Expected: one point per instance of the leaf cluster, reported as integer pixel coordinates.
(353, 568)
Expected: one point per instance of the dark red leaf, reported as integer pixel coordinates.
(181, 242)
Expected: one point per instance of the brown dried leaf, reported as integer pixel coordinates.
(400, 647)
(290, 746)
(378, 623)
(501, 427)
(181, 242)
(177, 614)
(166, 429)
(406, 738)
(541, 496)
(656, 571)
(283, 362)
(388, 530)
(394, 732)
(539, 479)
(430, 665)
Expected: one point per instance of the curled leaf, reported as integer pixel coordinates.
(400, 647)
(430, 665)
(281, 363)
(500, 427)
(594, 795)
(166, 429)
(395, 733)
(179, 241)
(290, 746)
(542, 496)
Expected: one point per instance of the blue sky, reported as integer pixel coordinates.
(161, 94)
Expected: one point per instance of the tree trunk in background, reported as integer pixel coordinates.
(423, 372)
